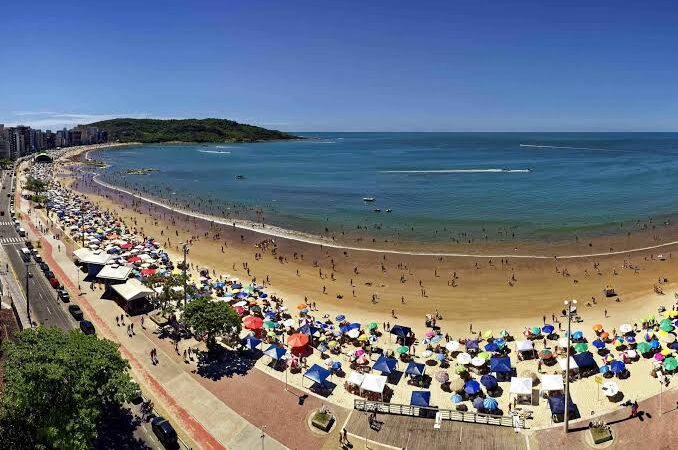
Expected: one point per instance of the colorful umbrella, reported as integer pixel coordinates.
(597, 327)
(442, 377)
(598, 344)
(456, 398)
(472, 387)
(402, 349)
(548, 329)
(643, 347)
(581, 347)
(372, 326)
(253, 322)
(490, 404)
(671, 363)
(298, 340)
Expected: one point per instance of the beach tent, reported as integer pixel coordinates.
(250, 342)
(401, 331)
(557, 406)
(415, 369)
(374, 383)
(420, 398)
(521, 388)
(309, 329)
(317, 374)
(501, 366)
(472, 345)
(563, 364)
(585, 362)
(551, 383)
(385, 365)
(524, 346)
(275, 352)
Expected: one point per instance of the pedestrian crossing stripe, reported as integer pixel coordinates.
(6, 223)
(11, 240)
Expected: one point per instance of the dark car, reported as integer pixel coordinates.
(87, 327)
(44, 267)
(29, 245)
(55, 283)
(165, 432)
(63, 296)
(76, 312)
(49, 274)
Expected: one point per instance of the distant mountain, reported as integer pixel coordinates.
(186, 130)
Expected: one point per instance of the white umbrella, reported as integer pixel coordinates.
(452, 346)
(477, 361)
(240, 303)
(354, 333)
(610, 388)
(426, 354)
(288, 323)
(669, 338)
(464, 358)
(625, 328)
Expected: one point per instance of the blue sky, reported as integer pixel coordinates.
(345, 65)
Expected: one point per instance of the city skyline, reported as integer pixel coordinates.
(488, 66)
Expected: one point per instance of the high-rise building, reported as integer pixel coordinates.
(4, 149)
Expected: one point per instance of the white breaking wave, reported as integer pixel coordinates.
(572, 148)
(215, 151)
(224, 146)
(459, 171)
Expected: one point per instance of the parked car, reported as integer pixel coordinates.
(87, 327)
(76, 312)
(55, 283)
(63, 296)
(165, 432)
(44, 267)
(49, 274)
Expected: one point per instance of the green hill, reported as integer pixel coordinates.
(186, 130)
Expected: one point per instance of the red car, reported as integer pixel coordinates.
(55, 283)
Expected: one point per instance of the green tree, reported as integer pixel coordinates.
(36, 186)
(170, 297)
(211, 319)
(57, 385)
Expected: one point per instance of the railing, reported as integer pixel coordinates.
(445, 414)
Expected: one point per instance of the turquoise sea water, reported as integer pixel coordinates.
(437, 185)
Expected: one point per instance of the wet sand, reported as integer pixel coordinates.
(368, 286)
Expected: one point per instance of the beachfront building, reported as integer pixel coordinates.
(132, 296)
(93, 260)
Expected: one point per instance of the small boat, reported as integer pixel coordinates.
(368, 199)
(377, 210)
(239, 177)
(389, 210)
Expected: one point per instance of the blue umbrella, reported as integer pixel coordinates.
(250, 342)
(489, 381)
(472, 387)
(490, 403)
(322, 348)
(577, 335)
(618, 367)
(501, 343)
(492, 347)
(630, 339)
(604, 369)
(440, 357)
(654, 344)
(456, 398)
(548, 329)
(435, 339)
(478, 403)
(336, 365)
(340, 318)
(598, 344)
(263, 295)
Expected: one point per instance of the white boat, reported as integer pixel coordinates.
(368, 199)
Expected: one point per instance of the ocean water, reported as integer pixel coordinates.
(438, 186)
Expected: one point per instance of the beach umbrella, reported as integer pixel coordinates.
(456, 398)
(429, 334)
(472, 387)
(477, 361)
(504, 333)
(654, 344)
(598, 344)
(354, 333)
(442, 377)
(535, 331)
(619, 342)
(464, 358)
(372, 326)
(610, 388)
(485, 355)
(665, 352)
(563, 342)
(340, 318)
(670, 363)
(435, 339)
(298, 340)
(487, 334)
(625, 328)
(617, 367)
(250, 342)
(240, 304)
(577, 335)
(452, 346)
(490, 404)
(643, 347)
(301, 306)
(501, 343)
(659, 357)
(649, 335)
(332, 344)
(440, 357)
(478, 403)
(288, 323)
(363, 338)
(322, 348)
(548, 329)
(666, 322)
(492, 347)
(581, 347)
(456, 385)
(546, 354)
(459, 369)
(604, 369)
(253, 322)
(597, 327)
(269, 324)
(608, 358)
(402, 349)
(426, 354)
(604, 335)
(630, 339)
(489, 381)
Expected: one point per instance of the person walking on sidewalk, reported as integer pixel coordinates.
(142, 323)
(131, 328)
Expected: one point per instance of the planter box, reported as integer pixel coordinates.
(600, 435)
(323, 421)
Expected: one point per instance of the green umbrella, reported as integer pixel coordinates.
(485, 355)
(670, 363)
(643, 347)
(581, 347)
(666, 325)
(459, 370)
(536, 330)
(504, 333)
(269, 324)
(372, 326)
(402, 349)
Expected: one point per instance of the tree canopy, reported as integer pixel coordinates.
(186, 130)
(211, 319)
(57, 385)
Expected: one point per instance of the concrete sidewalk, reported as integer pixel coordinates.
(204, 419)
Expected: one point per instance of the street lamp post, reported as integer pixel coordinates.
(28, 302)
(184, 247)
(568, 310)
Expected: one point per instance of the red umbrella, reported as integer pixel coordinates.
(127, 246)
(133, 259)
(298, 340)
(147, 272)
(253, 322)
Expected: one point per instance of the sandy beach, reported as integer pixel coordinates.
(488, 292)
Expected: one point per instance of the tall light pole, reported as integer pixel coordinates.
(28, 302)
(184, 247)
(568, 311)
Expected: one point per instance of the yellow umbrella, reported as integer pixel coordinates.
(332, 344)
(662, 333)
(666, 352)
(487, 334)
(270, 334)
(322, 338)
(176, 272)
(673, 313)
(362, 337)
